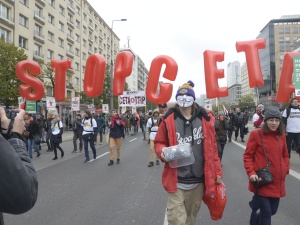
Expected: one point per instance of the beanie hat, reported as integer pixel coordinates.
(186, 89)
(34, 117)
(220, 113)
(272, 112)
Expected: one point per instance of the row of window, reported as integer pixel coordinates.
(287, 30)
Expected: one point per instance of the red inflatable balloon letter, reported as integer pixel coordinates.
(60, 67)
(153, 78)
(285, 86)
(30, 82)
(253, 64)
(212, 74)
(94, 75)
(123, 69)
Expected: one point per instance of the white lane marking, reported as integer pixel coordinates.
(99, 156)
(292, 172)
(133, 140)
(166, 219)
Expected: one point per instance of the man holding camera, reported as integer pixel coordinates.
(19, 185)
(258, 117)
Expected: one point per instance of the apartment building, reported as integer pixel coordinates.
(58, 29)
(282, 35)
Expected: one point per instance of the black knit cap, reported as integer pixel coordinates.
(272, 112)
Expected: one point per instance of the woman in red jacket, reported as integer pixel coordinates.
(272, 139)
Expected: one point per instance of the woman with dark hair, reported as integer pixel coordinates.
(221, 127)
(267, 144)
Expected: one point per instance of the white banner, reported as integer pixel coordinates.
(91, 107)
(132, 98)
(50, 102)
(105, 108)
(75, 106)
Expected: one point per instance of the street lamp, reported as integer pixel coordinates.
(111, 105)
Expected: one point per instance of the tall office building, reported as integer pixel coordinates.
(233, 83)
(282, 35)
(57, 29)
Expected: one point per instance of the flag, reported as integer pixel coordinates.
(225, 111)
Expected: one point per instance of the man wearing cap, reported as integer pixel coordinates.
(188, 123)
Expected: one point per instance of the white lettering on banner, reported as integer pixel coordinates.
(132, 98)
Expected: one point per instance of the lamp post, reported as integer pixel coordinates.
(111, 104)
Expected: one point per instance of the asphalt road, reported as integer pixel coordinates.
(75, 193)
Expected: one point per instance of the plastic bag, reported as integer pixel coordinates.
(217, 204)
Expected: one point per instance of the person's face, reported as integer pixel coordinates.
(221, 118)
(238, 110)
(113, 113)
(273, 123)
(185, 101)
(294, 102)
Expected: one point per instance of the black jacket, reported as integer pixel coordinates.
(18, 181)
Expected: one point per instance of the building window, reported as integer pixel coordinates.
(37, 30)
(4, 11)
(76, 51)
(60, 57)
(22, 42)
(287, 30)
(50, 54)
(61, 10)
(61, 26)
(281, 31)
(84, 29)
(77, 38)
(295, 30)
(23, 20)
(24, 2)
(84, 56)
(4, 34)
(49, 91)
(50, 36)
(60, 42)
(84, 43)
(84, 16)
(38, 11)
(70, 18)
(37, 50)
(52, 3)
(69, 48)
(76, 66)
(77, 24)
(77, 79)
(77, 9)
(50, 19)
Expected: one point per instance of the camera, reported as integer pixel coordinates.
(10, 113)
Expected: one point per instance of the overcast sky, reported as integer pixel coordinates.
(183, 30)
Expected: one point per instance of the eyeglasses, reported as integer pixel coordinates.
(272, 120)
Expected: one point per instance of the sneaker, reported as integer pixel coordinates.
(55, 158)
(151, 164)
(74, 151)
(111, 162)
(118, 161)
(94, 156)
(157, 162)
(38, 155)
(87, 160)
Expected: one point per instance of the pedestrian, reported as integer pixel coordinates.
(151, 129)
(27, 117)
(48, 130)
(188, 123)
(221, 127)
(258, 117)
(41, 124)
(133, 123)
(230, 123)
(101, 127)
(267, 144)
(56, 136)
(291, 120)
(116, 134)
(33, 130)
(127, 124)
(143, 125)
(77, 133)
(239, 122)
(19, 184)
(89, 131)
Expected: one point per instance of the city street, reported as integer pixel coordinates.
(75, 193)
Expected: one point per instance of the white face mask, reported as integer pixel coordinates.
(185, 101)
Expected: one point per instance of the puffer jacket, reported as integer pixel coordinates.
(166, 136)
(277, 153)
(19, 185)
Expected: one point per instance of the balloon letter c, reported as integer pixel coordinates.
(153, 78)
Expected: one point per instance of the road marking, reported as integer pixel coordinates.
(166, 219)
(99, 156)
(133, 139)
(292, 172)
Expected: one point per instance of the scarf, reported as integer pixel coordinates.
(113, 120)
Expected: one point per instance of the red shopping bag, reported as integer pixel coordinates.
(216, 204)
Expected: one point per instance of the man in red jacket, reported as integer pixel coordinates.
(189, 123)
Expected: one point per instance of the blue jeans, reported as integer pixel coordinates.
(86, 148)
(32, 144)
(268, 208)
